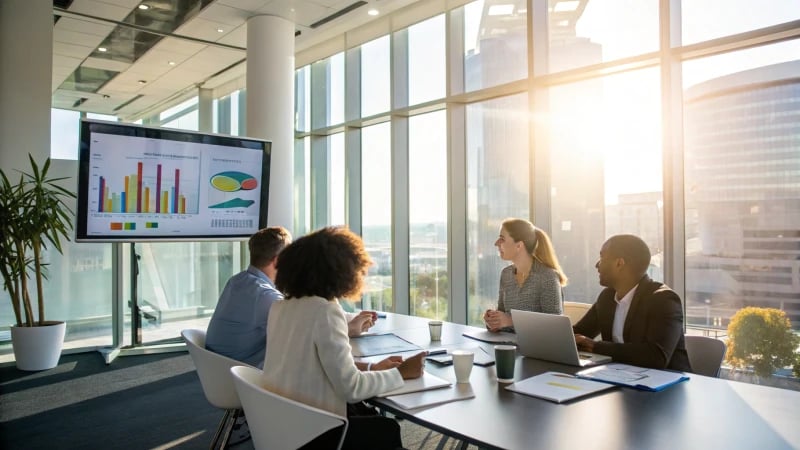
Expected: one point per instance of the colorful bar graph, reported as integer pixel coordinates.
(140, 194)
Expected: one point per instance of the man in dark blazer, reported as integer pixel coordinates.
(640, 320)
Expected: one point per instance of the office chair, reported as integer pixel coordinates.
(282, 423)
(215, 378)
(575, 311)
(705, 354)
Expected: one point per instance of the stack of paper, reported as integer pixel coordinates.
(633, 376)
(426, 382)
(557, 387)
(461, 391)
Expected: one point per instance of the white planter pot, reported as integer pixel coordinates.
(38, 348)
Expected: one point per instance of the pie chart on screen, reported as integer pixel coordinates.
(233, 181)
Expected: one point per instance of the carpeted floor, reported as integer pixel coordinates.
(136, 402)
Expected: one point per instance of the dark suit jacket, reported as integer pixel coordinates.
(653, 330)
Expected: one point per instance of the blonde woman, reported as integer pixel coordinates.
(534, 279)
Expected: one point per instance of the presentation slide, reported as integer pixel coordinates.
(141, 186)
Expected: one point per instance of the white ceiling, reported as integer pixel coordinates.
(197, 49)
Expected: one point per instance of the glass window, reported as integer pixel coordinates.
(179, 108)
(336, 207)
(376, 214)
(709, 19)
(742, 183)
(105, 117)
(591, 32)
(188, 121)
(302, 186)
(606, 168)
(302, 98)
(498, 185)
(64, 134)
(375, 77)
(426, 60)
(327, 91)
(180, 284)
(495, 44)
(427, 177)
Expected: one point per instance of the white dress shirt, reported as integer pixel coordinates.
(623, 305)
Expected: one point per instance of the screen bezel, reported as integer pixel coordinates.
(125, 129)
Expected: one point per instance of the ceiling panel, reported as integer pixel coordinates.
(99, 9)
(84, 26)
(224, 14)
(75, 51)
(77, 38)
(204, 29)
(237, 37)
(179, 46)
(106, 64)
(247, 5)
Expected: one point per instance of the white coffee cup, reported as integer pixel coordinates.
(462, 363)
(435, 328)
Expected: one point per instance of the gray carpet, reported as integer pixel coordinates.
(136, 402)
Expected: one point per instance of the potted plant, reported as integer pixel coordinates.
(33, 215)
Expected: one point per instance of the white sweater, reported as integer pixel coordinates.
(309, 357)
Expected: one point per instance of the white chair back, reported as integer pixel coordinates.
(213, 370)
(575, 311)
(279, 423)
(705, 354)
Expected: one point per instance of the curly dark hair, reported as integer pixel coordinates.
(328, 263)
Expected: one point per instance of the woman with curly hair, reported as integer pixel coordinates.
(308, 351)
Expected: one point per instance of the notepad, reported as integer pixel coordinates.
(426, 382)
(632, 376)
(460, 391)
(557, 387)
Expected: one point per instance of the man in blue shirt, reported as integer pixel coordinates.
(238, 327)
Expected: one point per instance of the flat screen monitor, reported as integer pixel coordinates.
(140, 184)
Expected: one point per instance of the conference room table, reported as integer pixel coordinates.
(702, 413)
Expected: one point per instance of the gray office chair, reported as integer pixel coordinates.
(283, 424)
(214, 372)
(705, 354)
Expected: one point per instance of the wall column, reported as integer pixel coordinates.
(270, 106)
(26, 78)
(205, 110)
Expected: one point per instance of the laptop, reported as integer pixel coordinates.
(550, 337)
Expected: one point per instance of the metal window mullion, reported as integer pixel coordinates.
(539, 177)
(400, 198)
(320, 182)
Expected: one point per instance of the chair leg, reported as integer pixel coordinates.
(229, 428)
(223, 426)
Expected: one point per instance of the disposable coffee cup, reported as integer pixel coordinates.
(504, 359)
(435, 327)
(462, 364)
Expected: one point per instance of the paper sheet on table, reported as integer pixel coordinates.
(461, 391)
(426, 382)
(557, 387)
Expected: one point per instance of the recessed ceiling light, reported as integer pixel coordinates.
(373, 12)
(142, 82)
(144, 6)
(220, 30)
(102, 49)
(171, 63)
